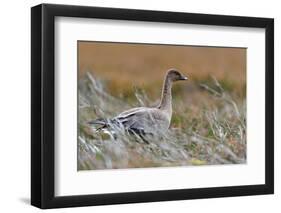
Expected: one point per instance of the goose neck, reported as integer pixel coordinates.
(166, 99)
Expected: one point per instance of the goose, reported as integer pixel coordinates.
(145, 120)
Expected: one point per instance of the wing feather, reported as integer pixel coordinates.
(145, 119)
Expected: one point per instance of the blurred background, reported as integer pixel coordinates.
(124, 66)
(209, 110)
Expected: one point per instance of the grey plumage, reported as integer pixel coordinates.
(145, 120)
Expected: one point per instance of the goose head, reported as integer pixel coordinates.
(174, 75)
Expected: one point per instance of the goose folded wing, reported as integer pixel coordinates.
(148, 120)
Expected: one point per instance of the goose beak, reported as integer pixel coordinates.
(184, 78)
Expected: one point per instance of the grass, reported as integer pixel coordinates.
(208, 127)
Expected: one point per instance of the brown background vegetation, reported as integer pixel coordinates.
(124, 65)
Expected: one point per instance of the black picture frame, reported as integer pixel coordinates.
(43, 105)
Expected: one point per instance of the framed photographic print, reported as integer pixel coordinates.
(139, 106)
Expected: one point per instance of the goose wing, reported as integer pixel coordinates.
(147, 120)
(124, 119)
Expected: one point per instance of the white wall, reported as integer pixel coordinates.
(15, 105)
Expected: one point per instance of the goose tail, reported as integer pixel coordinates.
(100, 123)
